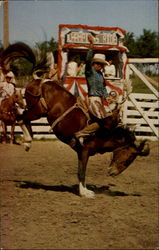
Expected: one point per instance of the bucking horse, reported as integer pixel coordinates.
(66, 115)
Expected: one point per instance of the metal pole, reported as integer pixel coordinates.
(5, 24)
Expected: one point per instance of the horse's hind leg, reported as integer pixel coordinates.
(29, 128)
(82, 164)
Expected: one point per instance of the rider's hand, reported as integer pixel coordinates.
(105, 102)
(90, 38)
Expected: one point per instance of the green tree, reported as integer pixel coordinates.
(147, 45)
(47, 45)
(130, 43)
(21, 66)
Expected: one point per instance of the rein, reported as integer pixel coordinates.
(62, 116)
(8, 112)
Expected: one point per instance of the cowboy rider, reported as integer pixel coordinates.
(97, 93)
(7, 85)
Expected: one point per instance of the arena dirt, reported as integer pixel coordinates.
(41, 208)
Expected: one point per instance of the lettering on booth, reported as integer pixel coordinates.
(102, 38)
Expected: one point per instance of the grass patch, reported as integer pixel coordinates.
(139, 86)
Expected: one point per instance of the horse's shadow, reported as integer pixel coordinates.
(72, 189)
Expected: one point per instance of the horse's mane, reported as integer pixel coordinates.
(55, 86)
(124, 131)
(119, 132)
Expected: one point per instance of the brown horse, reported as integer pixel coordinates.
(66, 117)
(9, 112)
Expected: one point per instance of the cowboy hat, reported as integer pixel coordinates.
(10, 74)
(99, 58)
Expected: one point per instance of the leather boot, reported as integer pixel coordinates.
(87, 131)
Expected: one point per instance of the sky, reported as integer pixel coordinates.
(34, 21)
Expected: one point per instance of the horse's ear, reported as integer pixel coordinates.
(21, 92)
(18, 91)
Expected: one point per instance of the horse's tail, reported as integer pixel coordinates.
(15, 50)
(19, 49)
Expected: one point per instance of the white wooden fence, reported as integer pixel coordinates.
(141, 113)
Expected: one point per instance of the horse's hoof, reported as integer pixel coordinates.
(27, 146)
(72, 143)
(84, 192)
(4, 142)
(88, 194)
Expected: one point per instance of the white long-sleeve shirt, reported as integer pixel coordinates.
(72, 69)
(110, 70)
(6, 89)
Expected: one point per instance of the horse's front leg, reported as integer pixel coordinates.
(12, 133)
(24, 122)
(26, 135)
(82, 164)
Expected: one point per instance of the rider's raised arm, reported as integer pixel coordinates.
(88, 68)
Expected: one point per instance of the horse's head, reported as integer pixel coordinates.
(18, 98)
(125, 155)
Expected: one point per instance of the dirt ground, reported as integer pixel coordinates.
(41, 208)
